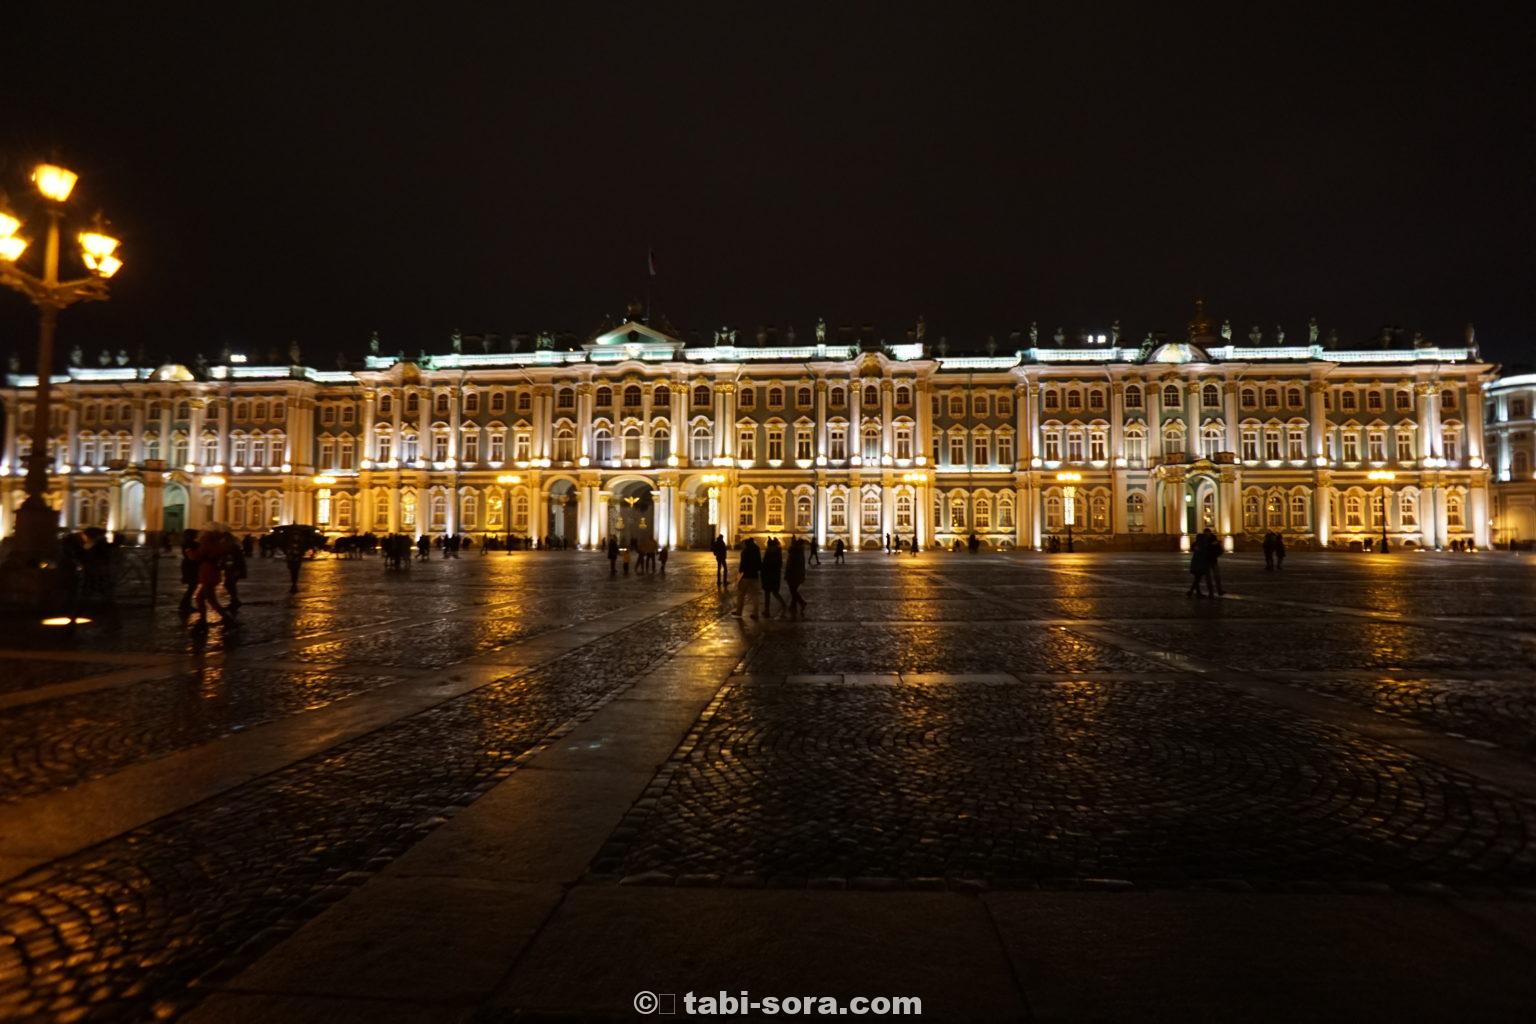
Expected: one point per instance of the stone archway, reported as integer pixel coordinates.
(561, 508)
(632, 512)
(173, 515)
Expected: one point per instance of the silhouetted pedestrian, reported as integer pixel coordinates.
(794, 575)
(722, 574)
(613, 556)
(748, 571)
(773, 573)
(837, 552)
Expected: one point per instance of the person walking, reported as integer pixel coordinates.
(663, 556)
(189, 569)
(234, 571)
(1198, 567)
(294, 550)
(613, 556)
(748, 570)
(722, 573)
(815, 557)
(210, 555)
(1213, 560)
(1279, 551)
(1269, 551)
(794, 575)
(773, 573)
(424, 547)
(624, 554)
(837, 552)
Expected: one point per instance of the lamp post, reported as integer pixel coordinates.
(713, 482)
(36, 523)
(507, 481)
(1069, 507)
(917, 480)
(1385, 478)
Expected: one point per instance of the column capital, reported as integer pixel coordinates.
(1316, 386)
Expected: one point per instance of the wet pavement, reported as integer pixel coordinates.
(957, 722)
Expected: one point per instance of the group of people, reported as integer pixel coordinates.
(1274, 551)
(213, 557)
(648, 553)
(761, 573)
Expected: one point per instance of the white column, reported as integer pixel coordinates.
(1476, 414)
(1322, 509)
(1429, 442)
(1316, 393)
(1478, 509)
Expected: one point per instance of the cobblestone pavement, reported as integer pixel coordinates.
(856, 751)
(943, 720)
(122, 929)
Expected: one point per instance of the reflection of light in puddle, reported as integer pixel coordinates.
(65, 620)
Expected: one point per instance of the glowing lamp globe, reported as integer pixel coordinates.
(12, 247)
(8, 225)
(54, 182)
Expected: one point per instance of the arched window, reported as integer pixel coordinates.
(746, 397)
(837, 396)
(471, 402)
(775, 397)
(469, 511)
(1173, 439)
(632, 441)
(520, 512)
(386, 405)
(1210, 396)
(1274, 509)
(412, 404)
(604, 397)
(871, 394)
(701, 395)
(1298, 511)
(1253, 514)
(837, 512)
(1250, 397)
(602, 444)
(1171, 396)
(701, 443)
(632, 396)
(1053, 512)
(957, 512)
(344, 512)
(661, 443)
(871, 511)
(440, 405)
(1133, 396)
(871, 447)
(661, 396)
(904, 512)
(1098, 513)
(775, 511)
(438, 511)
(565, 444)
(1354, 512)
(803, 513)
(903, 395)
(1455, 517)
(746, 510)
(983, 512)
(1408, 510)
(1005, 519)
(1135, 512)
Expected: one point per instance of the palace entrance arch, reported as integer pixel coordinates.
(632, 512)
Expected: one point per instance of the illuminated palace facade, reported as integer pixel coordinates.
(636, 432)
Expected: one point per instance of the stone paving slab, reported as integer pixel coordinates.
(1215, 956)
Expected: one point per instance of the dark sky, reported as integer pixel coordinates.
(316, 176)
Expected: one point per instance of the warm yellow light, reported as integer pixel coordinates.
(12, 247)
(324, 480)
(64, 620)
(212, 480)
(54, 182)
(1386, 475)
(108, 266)
(1069, 478)
(8, 225)
(509, 479)
(97, 244)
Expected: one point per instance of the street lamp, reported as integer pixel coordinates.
(1069, 508)
(713, 481)
(36, 523)
(916, 480)
(1384, 477)
(507, 481)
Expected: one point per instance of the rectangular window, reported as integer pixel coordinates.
(775, 444)
(498, 447)
(1377, 443)
(957, 450)
(472, 446)
(904, 442)
(981, 405)
(1272, 445)
(1098, 446)
(982, 455)
(1297, 444)
(1052, 446)
(1404, 446)
(746, 444)
(1005, 449)
(804, 446)
(837, 443)
(1351, 446)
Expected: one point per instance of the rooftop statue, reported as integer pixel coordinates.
(789, 334)
(1312, 331)
(1034, 334)
(200, 364)
(76, 356)
(294, 355)
(457, 341)
(1279, 334)
(1255, 336)
(15, 363)
(1226, 330)
(1060, 336)
(105, 359)
(821, 331)
(373, 344)
(1114, 333)
(922, 328)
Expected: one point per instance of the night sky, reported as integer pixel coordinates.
(318, 176)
